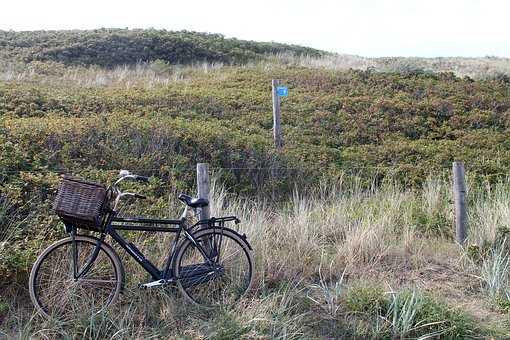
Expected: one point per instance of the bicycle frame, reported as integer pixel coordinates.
(112, 224)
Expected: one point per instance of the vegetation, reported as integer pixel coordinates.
(476, 68)
(359, 193)
(341, 263)
(375, 123)
(111, 47)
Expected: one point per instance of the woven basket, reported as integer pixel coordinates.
(80, 203)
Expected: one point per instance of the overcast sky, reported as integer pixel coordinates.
(425, 28)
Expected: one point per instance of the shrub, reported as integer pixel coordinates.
(110, 47)
(367, 300)
(405, 314)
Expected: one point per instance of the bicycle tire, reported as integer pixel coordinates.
(79, 295)
(210, 295)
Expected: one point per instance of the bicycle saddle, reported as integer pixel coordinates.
(194, 202)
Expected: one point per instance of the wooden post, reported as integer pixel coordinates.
(203, 188)
(459, 196)
(277, 129)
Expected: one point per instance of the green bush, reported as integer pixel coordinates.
(404, 314)
(110, 47)
(437, 224)
(373, 124)
(450, 322)
(367, 300)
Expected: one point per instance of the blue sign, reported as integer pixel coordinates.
(282, 91)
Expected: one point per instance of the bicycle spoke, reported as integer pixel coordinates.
(97, 281)
(231, 274)
(231, 256)
(60, 295)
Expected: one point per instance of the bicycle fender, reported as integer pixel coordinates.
(241, 236)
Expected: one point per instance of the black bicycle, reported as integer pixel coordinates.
(212, 265)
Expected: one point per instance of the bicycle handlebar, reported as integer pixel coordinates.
(126, 175)
(139, 178)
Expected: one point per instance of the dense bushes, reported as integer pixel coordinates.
(110, 47)
(161, 119)
(354, 121)
(160, 145)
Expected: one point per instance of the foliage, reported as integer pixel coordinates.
(405, 126)
(110, 47)
(368, 300)
(66, 106)
(494, 272)
(406, 314)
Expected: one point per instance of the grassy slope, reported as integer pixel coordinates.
(408, 125)
(477, 68)
(167, 117)
(342, 263)
(110, 47)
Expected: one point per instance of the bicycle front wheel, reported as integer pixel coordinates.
(56, 293)
(216, 269)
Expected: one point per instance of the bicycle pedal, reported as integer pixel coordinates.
(152, 284)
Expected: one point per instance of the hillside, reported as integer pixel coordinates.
(363, 177)
(477, 68)
(334, 121)
(110, 47)
(114, 47)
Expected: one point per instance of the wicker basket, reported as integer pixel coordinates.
(80, 203)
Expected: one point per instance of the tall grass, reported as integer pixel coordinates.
(308, 250)
(494, 272)
(478, 68)
(489, 213)
(151, 74)
(11, 221)
(5, 220)
(140, 74)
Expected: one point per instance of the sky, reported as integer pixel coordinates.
(371, 28)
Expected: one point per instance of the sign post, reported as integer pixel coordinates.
(459, 197)
(278, 91)
(282, 91)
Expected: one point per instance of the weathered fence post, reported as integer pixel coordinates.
(203, 188)
(459, 196)
(277, 129)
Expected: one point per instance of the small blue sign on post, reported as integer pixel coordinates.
(282, 91)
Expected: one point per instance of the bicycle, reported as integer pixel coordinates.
(212, 265)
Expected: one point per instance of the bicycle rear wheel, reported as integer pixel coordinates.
(56, 293)
(220, 280)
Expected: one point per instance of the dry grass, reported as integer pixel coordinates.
(473, 67)
(146, 75)
(160, 73)
(308, 251)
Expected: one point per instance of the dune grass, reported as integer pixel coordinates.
(357, 257)
(338, 262)
(477, 68)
